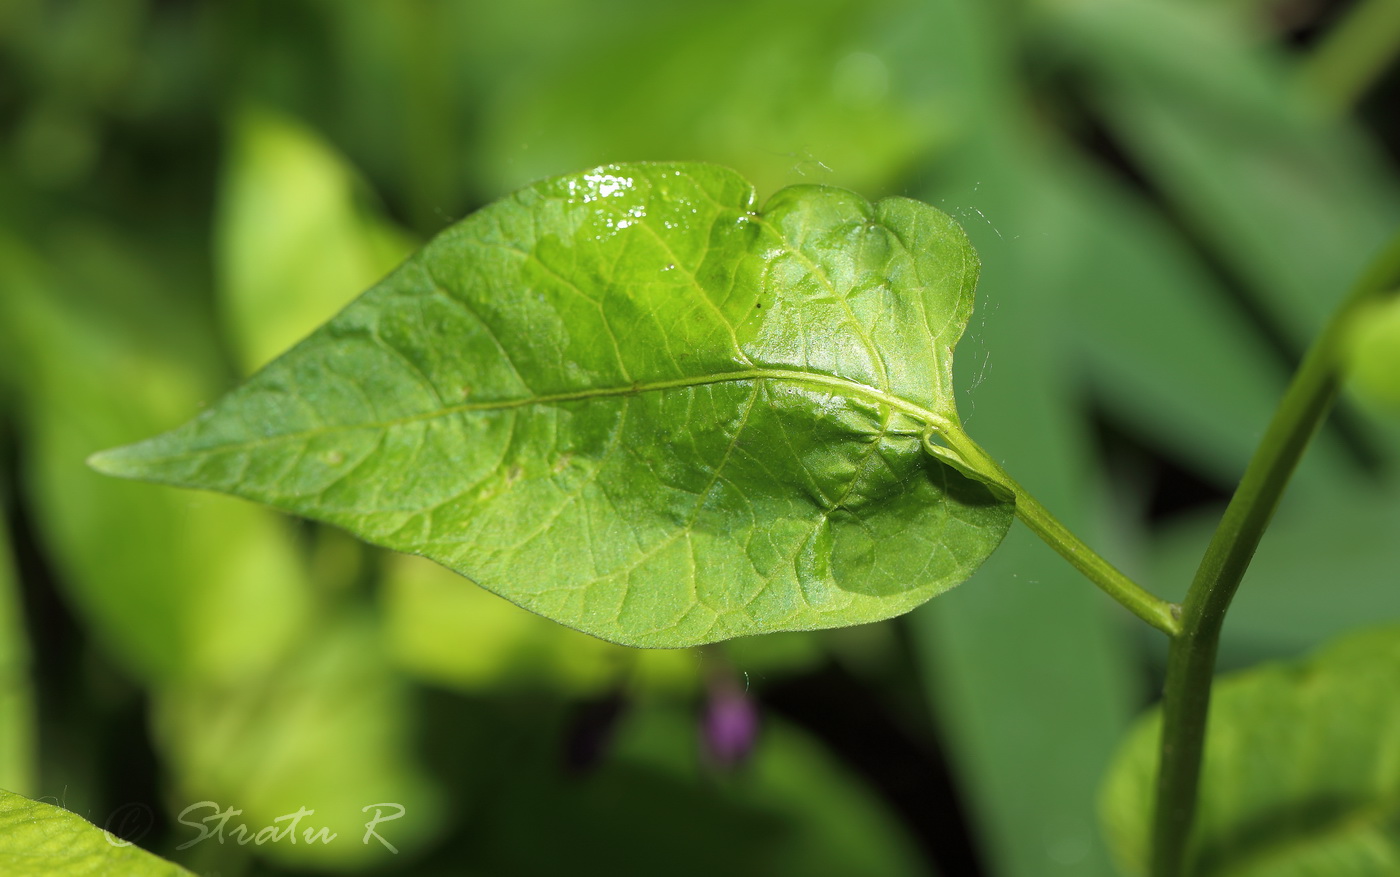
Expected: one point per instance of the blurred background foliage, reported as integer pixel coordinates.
(1168, 196)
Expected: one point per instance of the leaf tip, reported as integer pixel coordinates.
(120, 462)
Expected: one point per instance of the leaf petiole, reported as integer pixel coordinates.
(1159, 613)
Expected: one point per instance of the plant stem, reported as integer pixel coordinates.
(1191, 657)
(1150, 608)
(1353, 54)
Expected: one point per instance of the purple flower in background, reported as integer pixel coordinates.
(730, 724)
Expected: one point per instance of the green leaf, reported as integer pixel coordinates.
(1301, 775)
(630, 402)
(41, 840)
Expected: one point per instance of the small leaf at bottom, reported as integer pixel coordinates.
(41, 840)
(1301, 773)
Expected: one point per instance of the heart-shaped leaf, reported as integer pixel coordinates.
(631, 402)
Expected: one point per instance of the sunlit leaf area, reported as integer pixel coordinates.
(1167, 198)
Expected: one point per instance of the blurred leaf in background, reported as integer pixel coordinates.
(793, 811)
(214, 609)
(294, 241)
(1301, 772)
(177, 588)
(782, 91)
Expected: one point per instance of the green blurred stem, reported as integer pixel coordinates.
(1354, 54)
(1191, 657)
(1150, 608)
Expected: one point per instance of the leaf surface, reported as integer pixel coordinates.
(1301, 774)
(629, 401)
(41, 840)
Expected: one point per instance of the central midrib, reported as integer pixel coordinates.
(846, 386)
(842, 386)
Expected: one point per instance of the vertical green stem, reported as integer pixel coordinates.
(1191, 658)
